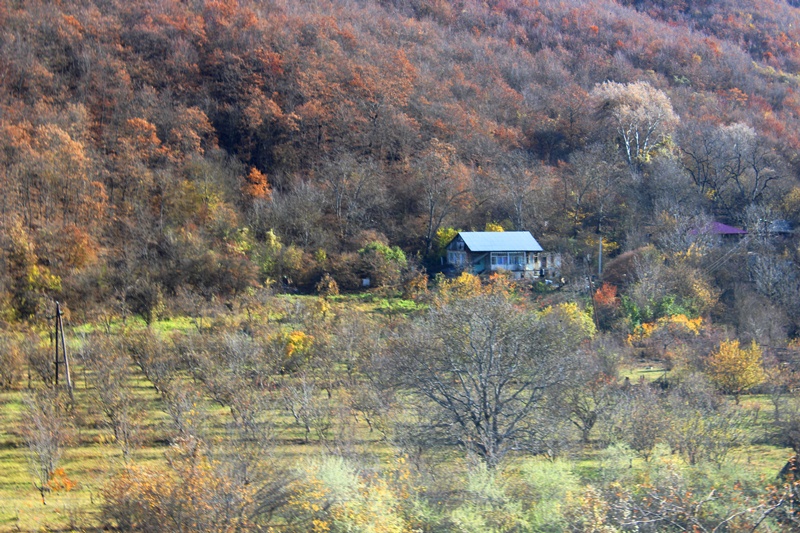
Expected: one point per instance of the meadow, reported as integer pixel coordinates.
(340, 426)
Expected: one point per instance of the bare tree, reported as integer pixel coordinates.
(311, 409)
(483, 371)
(232, 374)
(40, 359)
(589, 401)
(353, 192)
(702, 425)
(444, 183)
(731, 164)
(111, 373)
(640, 421)
(151, 355)
(46, 429)
(518, 180)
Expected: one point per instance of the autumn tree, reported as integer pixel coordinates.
(11, 361)
(256, 186)
(444, 183)
(199, 490)
(518, 180)
(332, 494)
(30, 281)
(735, 369)
(639, 114)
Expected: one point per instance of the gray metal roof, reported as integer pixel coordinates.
(500, 241)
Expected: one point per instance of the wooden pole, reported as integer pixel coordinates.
(55, 340)
(600, 259)
(60, 339)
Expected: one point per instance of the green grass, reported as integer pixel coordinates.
(93, 457)
(164, 325)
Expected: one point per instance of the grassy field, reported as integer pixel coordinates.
(92, 457)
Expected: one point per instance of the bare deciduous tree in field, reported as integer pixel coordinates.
(46, 429)
(111, 373)
(483, 370)
(640, 419)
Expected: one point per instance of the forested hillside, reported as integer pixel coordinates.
(210, 146)
(205, 186)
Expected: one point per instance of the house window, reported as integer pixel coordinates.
(456, 258)
(504, 260)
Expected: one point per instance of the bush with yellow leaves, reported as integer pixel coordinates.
(333, 496)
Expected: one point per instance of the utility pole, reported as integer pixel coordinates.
(600, 258)
(62, 359)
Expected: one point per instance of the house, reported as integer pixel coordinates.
(483, 252)
(723, 230)
(723, 233)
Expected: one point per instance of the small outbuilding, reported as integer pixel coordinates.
(483, 252)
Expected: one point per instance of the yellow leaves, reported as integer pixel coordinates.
(494, 226)
(464, 286)
(691, 324)
(735, 369)
(696, 251)
(608, 246)
(320, 526)
(333, 496)
(682, 323)
(321, 307)
(443, 238)
(641, 332)
(791, 202)
(297, 342)
(575, 215)
(579, 317)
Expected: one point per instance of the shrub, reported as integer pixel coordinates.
(11, 361)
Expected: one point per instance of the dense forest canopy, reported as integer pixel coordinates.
(154, 147)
